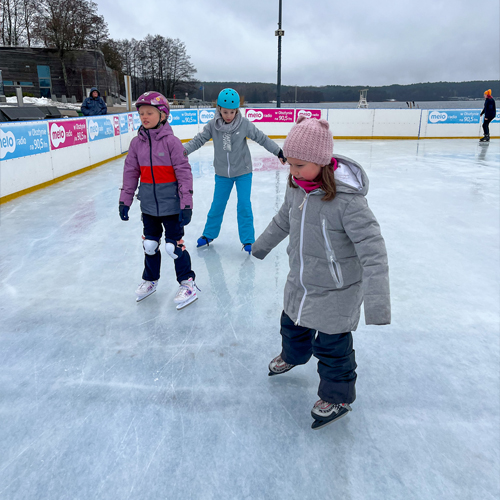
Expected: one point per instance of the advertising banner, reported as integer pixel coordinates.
(123, 123)
(454, 116)
(136, 120)
(101, 127)
(17, 141)
(116, 124)
(278, 115)
(183, 117)
(67, 133)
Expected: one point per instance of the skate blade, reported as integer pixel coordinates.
(484, 143)
(189, 301)
(140, 299)
(319, 424)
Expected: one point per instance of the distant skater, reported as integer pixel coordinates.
(337, 260)
(233, 165)
(489, 111)
(156, 158)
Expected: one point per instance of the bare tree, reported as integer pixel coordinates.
(180, 71)
(67, 25)
(157, 63)
(29, 13)
(11, 22)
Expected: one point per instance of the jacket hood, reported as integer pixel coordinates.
(350, 176)
(92, 90)
(155, 133)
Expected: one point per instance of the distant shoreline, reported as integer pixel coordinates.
(455, 104)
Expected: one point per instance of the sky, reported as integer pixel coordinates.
(326, 42)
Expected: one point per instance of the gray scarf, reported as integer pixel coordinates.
(226, 128)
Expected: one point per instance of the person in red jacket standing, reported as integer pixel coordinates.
(157, 158)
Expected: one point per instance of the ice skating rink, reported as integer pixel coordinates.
(103, 398)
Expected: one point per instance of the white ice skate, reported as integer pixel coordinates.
(145, 289)
(186, 293)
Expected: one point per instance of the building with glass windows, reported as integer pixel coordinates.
(39, 72)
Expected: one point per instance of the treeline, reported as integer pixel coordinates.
(157, 62)
(266, 92)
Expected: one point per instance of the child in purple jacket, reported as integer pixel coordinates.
(158, 159)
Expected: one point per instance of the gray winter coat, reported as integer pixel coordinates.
(231, 154)
(336, 253)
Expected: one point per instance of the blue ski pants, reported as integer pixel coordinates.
(223, 188)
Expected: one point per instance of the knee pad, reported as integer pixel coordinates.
(150, 246)
(172, 249)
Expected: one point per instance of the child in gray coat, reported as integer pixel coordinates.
(337, 259)
(233, 165)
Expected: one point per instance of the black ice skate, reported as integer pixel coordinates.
(325, 413)
(485, 140)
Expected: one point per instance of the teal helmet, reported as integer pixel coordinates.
(229, 99)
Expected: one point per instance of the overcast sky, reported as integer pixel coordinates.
(326, 42)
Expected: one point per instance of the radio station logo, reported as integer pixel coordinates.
(7, 143)
(305, 113)
(206, 116)
(437, 116)
(253, 115)
(57, 135)
(93, 129)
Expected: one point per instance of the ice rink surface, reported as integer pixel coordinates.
(103, 398)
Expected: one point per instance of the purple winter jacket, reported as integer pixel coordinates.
(158, 158)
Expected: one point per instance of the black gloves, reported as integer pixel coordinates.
(281, 156)
(185, 216)
(123, 209)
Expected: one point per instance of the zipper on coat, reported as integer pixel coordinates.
(152, 173)
(333, 264)
(301, 246)
(228, 165)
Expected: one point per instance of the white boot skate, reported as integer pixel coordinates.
(325, 413)
(186, 293)
(277, 366)
(145, 289)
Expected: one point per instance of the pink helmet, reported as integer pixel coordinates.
(153, 99)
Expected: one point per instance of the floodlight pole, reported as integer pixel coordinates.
(279, 33)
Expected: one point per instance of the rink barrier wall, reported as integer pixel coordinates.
(38, 154)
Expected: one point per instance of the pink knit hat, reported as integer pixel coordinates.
(310, 140)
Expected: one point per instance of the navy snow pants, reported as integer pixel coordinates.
(153, 229)
(335, 353)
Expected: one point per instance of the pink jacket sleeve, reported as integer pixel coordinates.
(182, 170)
(131, 175)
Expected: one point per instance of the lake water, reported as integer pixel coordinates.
(377, 105)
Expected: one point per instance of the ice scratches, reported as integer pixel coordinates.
(250, 451)
(12, 460)
(119, 454)
(143, 475)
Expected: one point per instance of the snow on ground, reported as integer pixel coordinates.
(43, 101)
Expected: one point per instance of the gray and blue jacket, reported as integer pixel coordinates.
(231, 154)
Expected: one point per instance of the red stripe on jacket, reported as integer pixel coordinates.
(163, 174)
